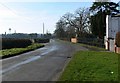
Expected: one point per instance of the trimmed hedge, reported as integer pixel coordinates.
(39, 40)
(8, 43)
(16, 51)
(117, 39)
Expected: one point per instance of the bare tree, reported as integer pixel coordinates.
(79, 20)
(74, 24)
(82, 16)
(60, 29)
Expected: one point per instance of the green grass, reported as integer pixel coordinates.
(92, 47)
(15, 51)
(92, 66)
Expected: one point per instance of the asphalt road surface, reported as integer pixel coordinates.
(44, 64)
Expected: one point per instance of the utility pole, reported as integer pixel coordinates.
(15, 31)
(43, 28)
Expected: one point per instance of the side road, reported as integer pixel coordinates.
(44, 64)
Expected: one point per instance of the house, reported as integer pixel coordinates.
(112, 27)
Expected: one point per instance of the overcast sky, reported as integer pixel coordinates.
(28, 17)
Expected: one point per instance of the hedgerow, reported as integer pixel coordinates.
(8, 43)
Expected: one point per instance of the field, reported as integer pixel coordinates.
(92, 66)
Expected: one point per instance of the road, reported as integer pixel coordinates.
(44, 64)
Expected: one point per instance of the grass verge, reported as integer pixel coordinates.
(92, 66)
(15, 51)
(93, 48)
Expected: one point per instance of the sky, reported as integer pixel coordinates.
(28, 17)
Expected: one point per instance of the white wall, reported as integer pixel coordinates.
(112, 45)
(112, 26)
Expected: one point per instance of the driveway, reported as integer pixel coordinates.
(44, 64)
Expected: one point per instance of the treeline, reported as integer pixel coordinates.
(27, 36)
(86, 22)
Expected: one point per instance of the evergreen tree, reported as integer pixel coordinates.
(98, 19)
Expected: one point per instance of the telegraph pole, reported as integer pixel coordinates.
(43, 28)
(15, 31)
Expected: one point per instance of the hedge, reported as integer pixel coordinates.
(16, 51)
(39, 40)
(8, 43)
(117, 39)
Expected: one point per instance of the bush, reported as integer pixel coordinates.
(39, 40)
(8, 43)
(117, 39)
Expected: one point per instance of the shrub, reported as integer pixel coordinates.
(8, 43)
(39, 40)
(117, 39)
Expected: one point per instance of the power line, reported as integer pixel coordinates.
(8, 8)
(25, 18)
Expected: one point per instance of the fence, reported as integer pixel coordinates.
(92, 41)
